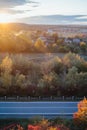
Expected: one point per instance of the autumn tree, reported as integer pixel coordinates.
(55, 36)
(40, 45)
(6, 68)
(80, 117)
(27, 42)
(20, 80)
(83, 46)
(44, 123)
(55, 65)
(50, 84)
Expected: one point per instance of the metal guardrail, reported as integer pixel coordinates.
(52, 98)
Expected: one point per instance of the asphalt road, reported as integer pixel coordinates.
(30, 109)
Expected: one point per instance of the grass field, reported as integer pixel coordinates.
(37, 57)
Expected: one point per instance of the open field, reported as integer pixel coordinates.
(37, 57)
(34, 57)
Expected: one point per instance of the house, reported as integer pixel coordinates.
(67, 40)
(76, 40)
(43, 39)
(50, 40)
(50, 31)
(47, 39)
(84, 39)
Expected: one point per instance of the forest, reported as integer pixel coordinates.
(21, 76)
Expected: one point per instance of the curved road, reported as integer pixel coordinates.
(29, 109)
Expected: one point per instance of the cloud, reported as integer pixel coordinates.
(13, 12)
(17, 6)
(56, 19)
(12, 3)
(84, 17)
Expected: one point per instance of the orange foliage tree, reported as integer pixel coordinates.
(82, 111)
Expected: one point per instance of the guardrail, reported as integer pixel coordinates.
(52, 98)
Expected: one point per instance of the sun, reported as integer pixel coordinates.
(6, 18)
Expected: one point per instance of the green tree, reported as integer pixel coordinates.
(50, 80)
(72, 59)
(71, 79)
(82, 83)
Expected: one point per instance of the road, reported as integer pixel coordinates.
(30, 109)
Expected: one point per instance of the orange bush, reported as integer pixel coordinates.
(31, 127)
(52, 128)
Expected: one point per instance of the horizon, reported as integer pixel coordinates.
(37, 24)
(44, 12)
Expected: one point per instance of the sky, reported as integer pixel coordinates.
(44, 11)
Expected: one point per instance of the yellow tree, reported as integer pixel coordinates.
(40, 45)
(6, 65)
(83, 46)
(44, 123)
(6, 68)
(20, 80)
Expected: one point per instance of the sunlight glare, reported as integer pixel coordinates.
(5, 18)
